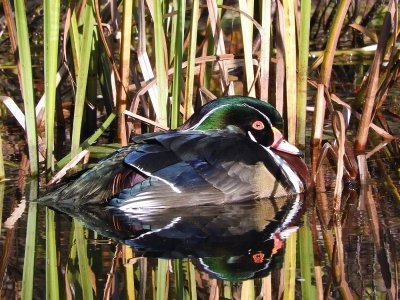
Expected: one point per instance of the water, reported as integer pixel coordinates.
(216, 248)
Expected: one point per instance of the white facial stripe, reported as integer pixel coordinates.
(293, 177)
(216, 108)
(252, 136)
(206, 116)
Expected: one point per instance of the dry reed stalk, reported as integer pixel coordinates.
(124, 68)
(280, 62)
(266, 287)
(218, 40)
(340, 135)
(247, 7)
(110, 275)
(265, 49)
(143, 57)
(338, 264)
(373, 80)
(326, 71)
(290, 67)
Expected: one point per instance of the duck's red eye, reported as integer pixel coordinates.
(258, 125)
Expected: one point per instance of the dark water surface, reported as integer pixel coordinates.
(213, 249)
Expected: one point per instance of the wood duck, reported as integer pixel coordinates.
(230, 150)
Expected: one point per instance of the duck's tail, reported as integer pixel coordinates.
(96, 185)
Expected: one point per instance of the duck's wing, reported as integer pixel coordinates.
(192, 168)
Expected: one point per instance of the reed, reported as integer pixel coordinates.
(160, 62)
(301, 117)
(125, 55)
(28, 96)
(176, 53)
(189, 85)
(215, 52)
(84, 267)
(84, 59)
(30, 243)
(162, 279)
(289, 267)
(52, 287)
(51, 36)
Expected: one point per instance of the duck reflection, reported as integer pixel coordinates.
(232, 241)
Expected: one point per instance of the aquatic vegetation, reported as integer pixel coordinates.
(87, 74)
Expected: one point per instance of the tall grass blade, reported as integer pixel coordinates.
(161, 70)
(84, 268)
(178, 57)
(162, 279)
(290, 267)
(30, 242)
(303, 72)
(177, 265)
(51, 35)
(52, 288)
(247, 35)
(27, 84)
(306, 259)
(86, 45)
(188, 107)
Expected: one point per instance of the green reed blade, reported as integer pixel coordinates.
(30, 242)
(306, 259)
(75, 41)
(27, 84)
(51, 34)
(91, 90)
(86, 45)
(290, 267)
(178, 57)
(188, 107)
(161, 72)
(305, 16)
(52, 288)
(84, 268)
(162, 279)
(177, 266)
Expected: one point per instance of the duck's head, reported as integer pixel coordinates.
(260, 121)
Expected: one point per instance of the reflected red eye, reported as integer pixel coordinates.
(258, 125)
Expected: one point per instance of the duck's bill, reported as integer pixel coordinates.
(283, 145)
